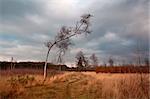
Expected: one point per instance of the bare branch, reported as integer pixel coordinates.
(94, 59)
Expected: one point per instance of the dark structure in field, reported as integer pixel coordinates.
(123, 69)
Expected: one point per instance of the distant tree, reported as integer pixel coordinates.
(11, 67)
(111, 61)
(80, 59)
(104, 63)
(86, 62)
(63, 47)
(94, 59)
(80, 63)
(146, 60)
(141, 55)
(62, 39)
(138, 53)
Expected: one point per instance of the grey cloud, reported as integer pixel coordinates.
(33, 24)
(18, 8)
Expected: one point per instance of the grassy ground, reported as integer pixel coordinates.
(75, 85)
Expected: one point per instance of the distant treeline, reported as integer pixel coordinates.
(30, 65)
(115, 69)
(99, 69)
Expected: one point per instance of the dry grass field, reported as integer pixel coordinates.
(75, 85)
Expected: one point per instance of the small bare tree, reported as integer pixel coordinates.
(63, 37)
(63, 47)
(11, 67)
(94, 59)
(146, 61)
(86, 62)
(79, 58)
(82, 61)
(111, 61)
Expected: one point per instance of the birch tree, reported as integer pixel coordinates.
(65, 34)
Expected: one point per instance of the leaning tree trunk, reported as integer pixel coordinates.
(45, 66)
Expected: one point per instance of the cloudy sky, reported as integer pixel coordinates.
(118, 27)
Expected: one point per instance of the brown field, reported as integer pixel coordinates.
(74, 85)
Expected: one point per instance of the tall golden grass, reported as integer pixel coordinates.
(78, 85)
